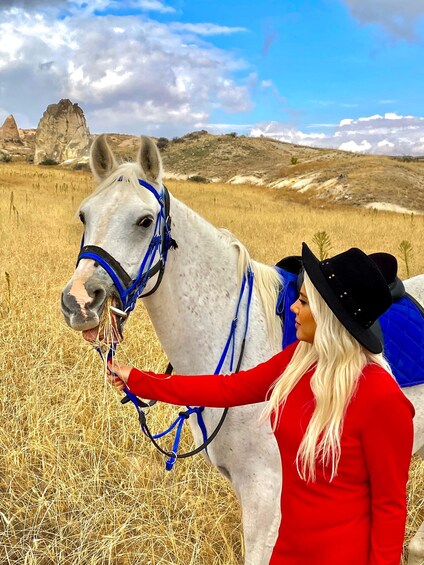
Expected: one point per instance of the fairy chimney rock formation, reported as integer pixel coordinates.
(9, 132)
(62, 133)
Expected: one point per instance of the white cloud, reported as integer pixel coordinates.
(362, 147)
(400, 19)
(289, 135)
(206, 28)
(156, 6)
(385, 143)
(369, 118)
(30, 4)
(91, 6)
(157, 77)
(224, 128)
(390, 134)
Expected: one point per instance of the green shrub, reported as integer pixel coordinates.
(48, 162)
(162, 143)
(198, 178)
(81, 167)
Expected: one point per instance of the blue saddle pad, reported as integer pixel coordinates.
(288, 295)
(402, 326)
(403, 331)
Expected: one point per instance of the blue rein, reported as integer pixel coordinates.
(130, 290)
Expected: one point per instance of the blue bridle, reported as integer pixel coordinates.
(129, 290)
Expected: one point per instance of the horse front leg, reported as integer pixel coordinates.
(249, 458)
(260, 503)
(416, 548)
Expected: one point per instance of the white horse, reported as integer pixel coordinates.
(192, 311)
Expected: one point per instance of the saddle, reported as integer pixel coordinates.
(400, 328)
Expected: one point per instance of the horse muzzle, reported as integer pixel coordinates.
(81, 307)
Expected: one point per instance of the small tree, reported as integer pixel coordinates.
(405, 249)
(323, 242)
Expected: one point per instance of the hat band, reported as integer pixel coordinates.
(347, 301)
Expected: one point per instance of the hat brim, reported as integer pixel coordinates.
(364, 336)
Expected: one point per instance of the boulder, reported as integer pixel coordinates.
(9, 132)
(62, 134)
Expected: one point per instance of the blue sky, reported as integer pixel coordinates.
(337, 73)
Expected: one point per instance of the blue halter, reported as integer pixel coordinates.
(129, 290)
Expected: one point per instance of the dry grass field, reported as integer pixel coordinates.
(78, 482)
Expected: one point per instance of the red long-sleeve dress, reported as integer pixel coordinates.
(359, 517)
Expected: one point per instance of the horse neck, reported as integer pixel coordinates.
(194, 306)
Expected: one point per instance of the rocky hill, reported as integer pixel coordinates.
(12, 141)
(306, 174)
(62, 134)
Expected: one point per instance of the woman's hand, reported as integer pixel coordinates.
(118, 374)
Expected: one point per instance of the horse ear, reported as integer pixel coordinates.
(102, 161)
(150, 159)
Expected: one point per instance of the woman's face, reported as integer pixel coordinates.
(305, 323)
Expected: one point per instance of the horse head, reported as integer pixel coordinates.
(125, 242)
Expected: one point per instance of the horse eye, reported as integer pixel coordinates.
(145, 222)
(82, 217)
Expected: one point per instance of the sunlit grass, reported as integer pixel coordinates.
(79, 484)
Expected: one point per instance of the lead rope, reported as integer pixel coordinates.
(173, 455)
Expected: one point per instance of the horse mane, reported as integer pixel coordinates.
(267, 283)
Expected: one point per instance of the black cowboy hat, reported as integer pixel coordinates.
(386, 262)
(354, 288)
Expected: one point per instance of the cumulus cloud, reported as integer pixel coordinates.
(398, 18)
(133, 74)
(29, 4)
(123, 5)
(355, 147)
(93, 5)
(388, 134)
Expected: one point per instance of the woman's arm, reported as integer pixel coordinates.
(387, 442)
(245, 387)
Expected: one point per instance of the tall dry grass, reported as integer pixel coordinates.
(78, 482)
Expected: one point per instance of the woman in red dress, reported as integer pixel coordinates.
(342, 424)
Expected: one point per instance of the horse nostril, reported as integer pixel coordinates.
(64, 303)
(98, 299)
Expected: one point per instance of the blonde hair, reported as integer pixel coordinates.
(338, 359)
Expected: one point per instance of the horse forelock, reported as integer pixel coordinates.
(267, 284)
(129, 172)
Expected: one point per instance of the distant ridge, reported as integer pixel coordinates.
(306, 174)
